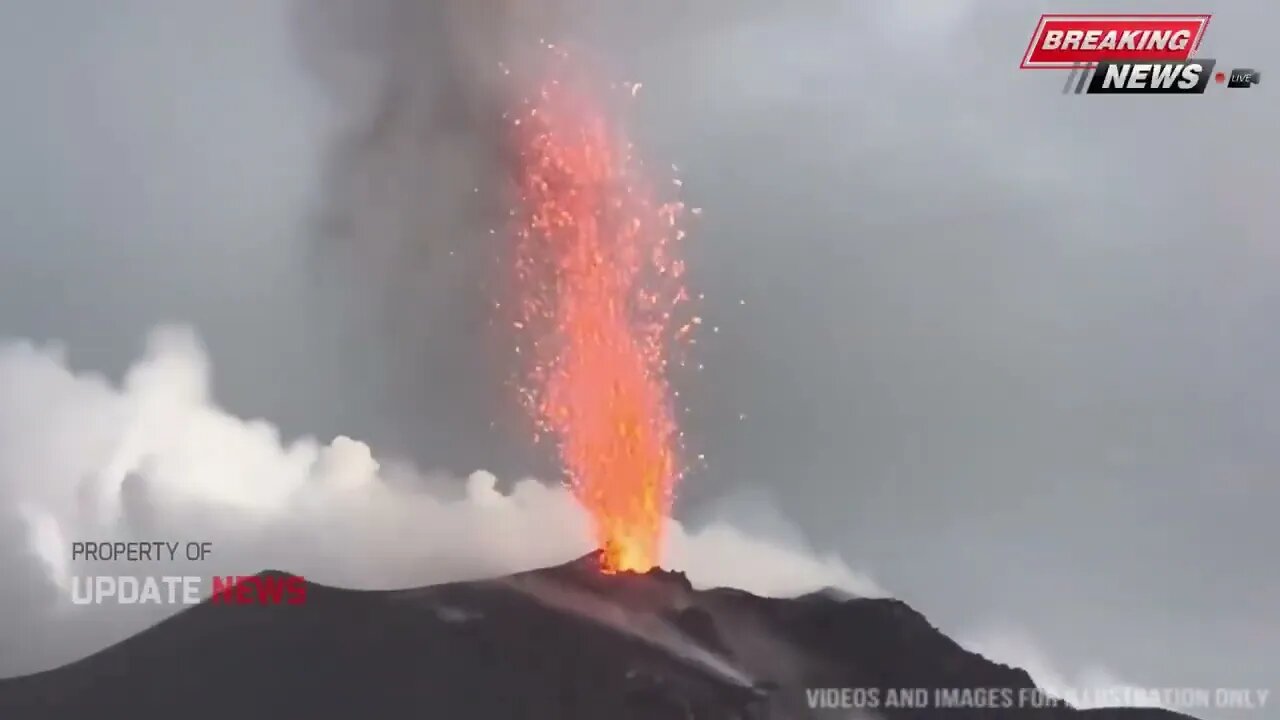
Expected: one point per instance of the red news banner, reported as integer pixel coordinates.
(1063, 41)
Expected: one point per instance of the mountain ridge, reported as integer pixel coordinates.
(565, 641)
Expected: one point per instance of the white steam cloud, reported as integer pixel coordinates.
(154, 458)
(1088, 687)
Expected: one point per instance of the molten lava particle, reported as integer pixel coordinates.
(600, 289)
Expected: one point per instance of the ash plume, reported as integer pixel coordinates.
(420, 90)
(413, 197)
(416, 173)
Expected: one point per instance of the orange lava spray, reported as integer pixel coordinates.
(601, 293)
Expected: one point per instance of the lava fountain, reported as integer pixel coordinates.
(601, 303)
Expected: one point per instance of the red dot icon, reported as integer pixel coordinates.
(1219, 77)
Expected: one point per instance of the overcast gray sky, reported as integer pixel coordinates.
(1014, 353)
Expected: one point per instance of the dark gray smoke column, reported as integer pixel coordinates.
(414, 200)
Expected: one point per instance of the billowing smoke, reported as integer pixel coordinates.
(414, 197)
(153, 457)
(420, 89)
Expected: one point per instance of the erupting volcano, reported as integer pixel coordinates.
(601, 294)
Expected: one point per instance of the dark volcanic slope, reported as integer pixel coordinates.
(559, 643)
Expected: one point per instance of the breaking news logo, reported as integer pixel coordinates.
(1066, 42)
(1127, 54)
